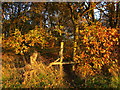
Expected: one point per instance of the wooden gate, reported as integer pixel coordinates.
(59, 61)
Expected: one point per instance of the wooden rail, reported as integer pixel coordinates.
(59, 61)
(56, 63)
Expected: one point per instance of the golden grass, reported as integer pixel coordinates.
(31, 75)
(40, 76)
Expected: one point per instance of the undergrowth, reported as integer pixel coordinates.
(43, 77)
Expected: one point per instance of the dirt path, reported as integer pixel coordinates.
(71, 77)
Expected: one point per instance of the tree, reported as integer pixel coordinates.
(44, 25)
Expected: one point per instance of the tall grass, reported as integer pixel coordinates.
(39, 76)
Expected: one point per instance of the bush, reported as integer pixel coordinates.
(99, 50)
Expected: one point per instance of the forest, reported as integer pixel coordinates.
(60, 44)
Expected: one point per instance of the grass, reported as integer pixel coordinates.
(39, 77)
(12, 78)
(42, 77)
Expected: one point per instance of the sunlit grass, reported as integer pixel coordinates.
(43, 77)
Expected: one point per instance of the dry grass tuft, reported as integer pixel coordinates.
(31, 75)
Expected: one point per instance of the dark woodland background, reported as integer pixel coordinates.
(32, 33)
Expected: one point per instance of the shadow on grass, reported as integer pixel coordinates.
(72, 78)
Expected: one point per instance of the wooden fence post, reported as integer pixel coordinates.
(61, 59)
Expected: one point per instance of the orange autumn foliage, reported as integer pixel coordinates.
(98, 47)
